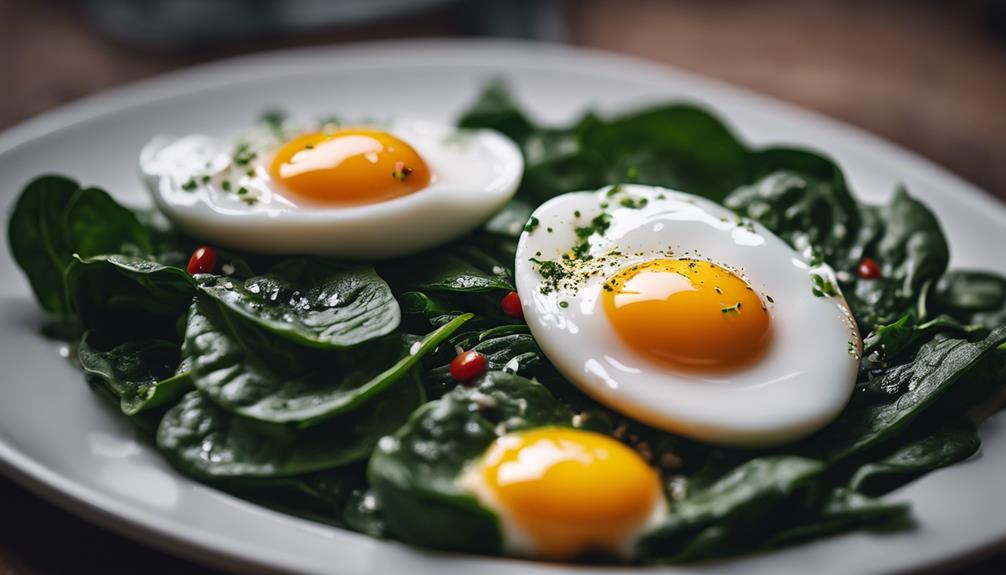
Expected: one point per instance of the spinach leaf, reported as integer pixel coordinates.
(414, 472)
(940, 447)
(936, 368)
(254, 373)
(495, 109)
(843, 510)
(721, 515)
(128, 293)
(811, 209)
(912, 253)
(210, 443)
(37, 239)
(461, 267)
(96, 224)
(887, 343)
(142, 374)
(678, 146)
(972, 297)
(54, 219)
(509, 348)
(312, 301)
(327, 496)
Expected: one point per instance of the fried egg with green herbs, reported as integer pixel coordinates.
(670, 309)
(347, 191)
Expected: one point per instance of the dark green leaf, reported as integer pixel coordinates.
(937, 366)
(96, 224)
(258, 375)
(973, 297)
(509, 347)
(950, 443)
(887, 343)
(843, 510)
(128, 293)
(312, 301)
(142, 374)
(708, 521)
(37, 237)
(458, 268)
(495, 109)
(678, 146)
(211, 443)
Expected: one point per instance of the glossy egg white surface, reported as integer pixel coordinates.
(195, 180)
(801, 382)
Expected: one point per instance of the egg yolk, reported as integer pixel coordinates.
(689, 312)
(352, 166)
(571, 490)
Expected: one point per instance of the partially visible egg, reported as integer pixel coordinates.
(670, 309)
(347, 192)
(562, 492)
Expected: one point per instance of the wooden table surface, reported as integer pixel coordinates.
(930, 76)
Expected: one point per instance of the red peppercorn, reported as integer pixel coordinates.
(511, 305)
(869, 269)
(468, 365)
(203, 261)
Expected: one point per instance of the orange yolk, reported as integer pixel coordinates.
(571, 490)
(692, 313)
(353, 166)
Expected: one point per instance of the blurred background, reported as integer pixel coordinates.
(929, 75)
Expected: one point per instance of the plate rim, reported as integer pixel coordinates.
(132, 522)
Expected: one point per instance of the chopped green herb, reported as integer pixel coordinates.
(243, 154)
(822, 286)
(531, 225)
(581, 251)
(634, 204)
(401, 171)
(733, 308)
(576, 213)
(564, 304)
(769, 298)
(551, 273)
(226, 185)
(190, 185)
(274, 120)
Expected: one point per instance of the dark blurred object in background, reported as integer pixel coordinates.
(184, 23)
(929, 75)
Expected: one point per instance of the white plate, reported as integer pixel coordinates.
(61, 440)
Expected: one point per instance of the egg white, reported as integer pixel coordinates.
(474, 173)
(802, 381)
